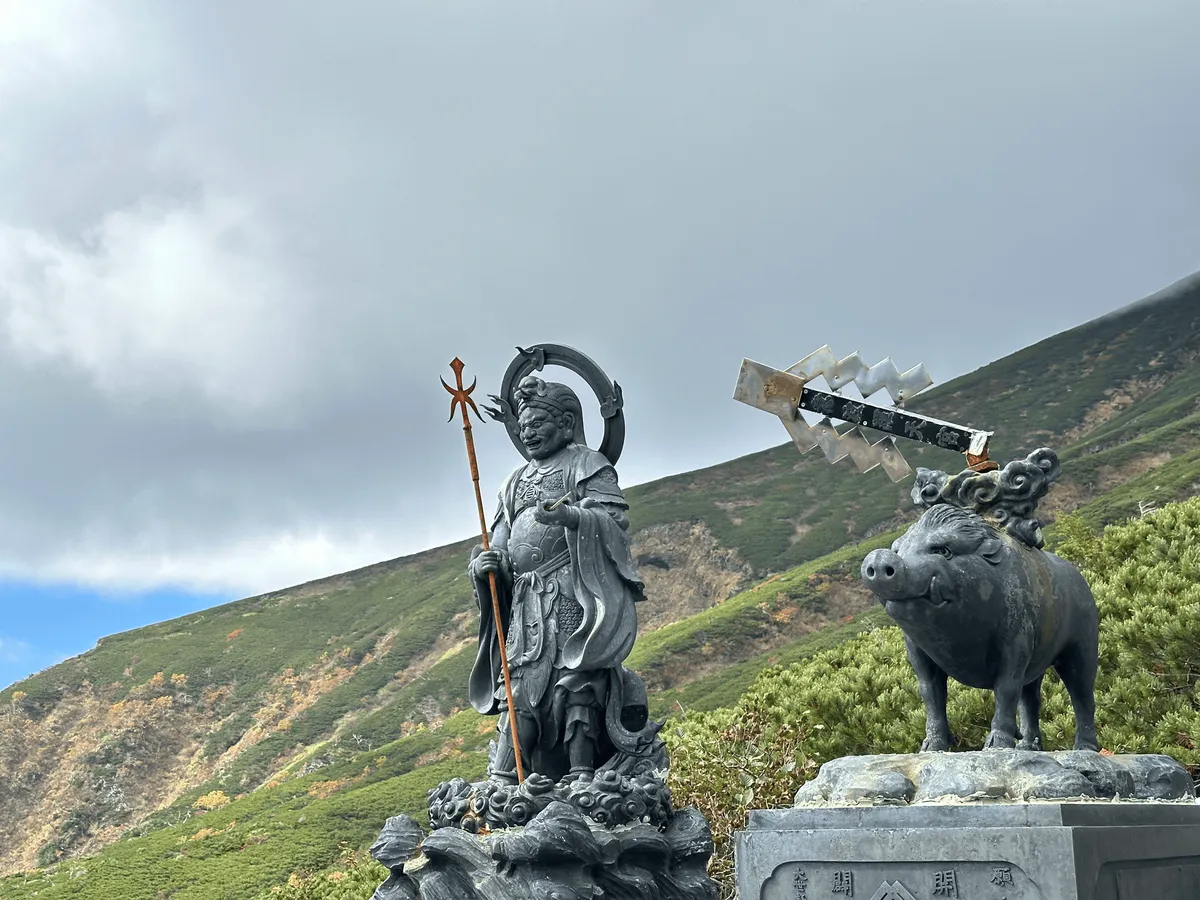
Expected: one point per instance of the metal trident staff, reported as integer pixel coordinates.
(462, 398)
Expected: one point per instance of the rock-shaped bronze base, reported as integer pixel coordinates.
(558, 855)
(607, 798)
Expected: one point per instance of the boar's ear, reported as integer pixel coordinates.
(992, 549)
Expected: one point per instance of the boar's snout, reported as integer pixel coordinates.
(885, 574)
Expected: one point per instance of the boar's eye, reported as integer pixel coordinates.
(942, 551)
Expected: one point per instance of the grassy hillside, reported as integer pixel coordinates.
(749, 564)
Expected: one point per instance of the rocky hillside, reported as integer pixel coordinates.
(271, 713)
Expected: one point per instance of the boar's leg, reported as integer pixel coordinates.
(1077, 669)
(1003, 735)
(931, 682)
(1030, 709)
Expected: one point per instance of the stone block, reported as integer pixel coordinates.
(1099, 850)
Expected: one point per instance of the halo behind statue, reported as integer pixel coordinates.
(536, 358)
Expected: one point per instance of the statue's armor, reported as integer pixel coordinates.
(533, 546)
(530, 543)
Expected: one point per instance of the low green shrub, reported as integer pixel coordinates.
(355, 877)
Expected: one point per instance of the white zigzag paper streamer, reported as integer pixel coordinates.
(778, 392)
(868, 379)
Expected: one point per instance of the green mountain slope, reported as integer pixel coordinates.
(748, 563)
(780, 509)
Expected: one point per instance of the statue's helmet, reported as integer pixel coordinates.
(555, 398)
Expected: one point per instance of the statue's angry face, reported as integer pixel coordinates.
(543, 433)
(548, 416)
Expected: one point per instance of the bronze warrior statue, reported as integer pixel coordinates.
(574, 793)
(567, 584)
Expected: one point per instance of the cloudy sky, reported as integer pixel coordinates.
(240, 240)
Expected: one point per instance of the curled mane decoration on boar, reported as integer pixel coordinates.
(1008, 497)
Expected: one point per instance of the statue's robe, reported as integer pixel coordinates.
(599, 575)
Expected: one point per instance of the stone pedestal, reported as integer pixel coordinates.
(1001, 851)
(992, 825)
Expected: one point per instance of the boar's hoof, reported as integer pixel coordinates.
(938, 743)
(1081, 744)
(1030, 744)
(998, 740)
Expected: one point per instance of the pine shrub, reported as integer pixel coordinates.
(355, 877)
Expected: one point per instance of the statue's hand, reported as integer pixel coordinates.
(565, 515)
(490, 561)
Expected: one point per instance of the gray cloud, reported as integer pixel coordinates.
(239, 242)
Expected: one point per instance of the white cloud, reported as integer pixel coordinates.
(247, 567)
(52, 37)
(162, 298)
(12, 650)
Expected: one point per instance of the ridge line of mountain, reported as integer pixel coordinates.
(463, 545)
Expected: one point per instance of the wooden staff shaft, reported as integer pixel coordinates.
(461, 397)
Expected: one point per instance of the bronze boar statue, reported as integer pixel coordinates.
(981, 602)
